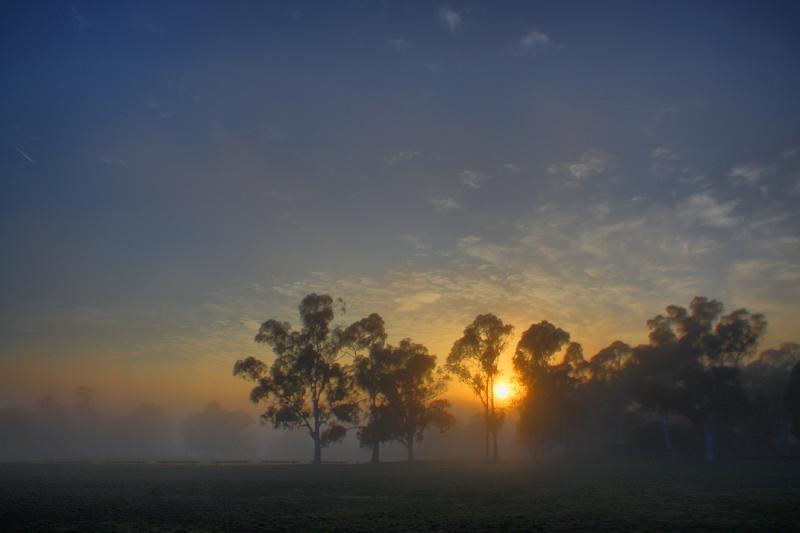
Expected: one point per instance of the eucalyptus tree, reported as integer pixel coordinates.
(307, 385)
(412, 390)
(694, 361)
(372, 366)
(792, 400)
(547, 386)
(473, 359)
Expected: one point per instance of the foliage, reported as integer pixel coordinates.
(473, 359)
(306, 385)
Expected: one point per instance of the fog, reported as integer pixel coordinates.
(79, 428)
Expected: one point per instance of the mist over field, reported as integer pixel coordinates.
(62, 430)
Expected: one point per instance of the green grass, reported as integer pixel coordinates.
(744, 495)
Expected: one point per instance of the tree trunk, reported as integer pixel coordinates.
(410, 448)
(316, 437)
(495, 455)
(666, 431)
(317, 447)
(376, 453)
(708, 440)
(486, 436)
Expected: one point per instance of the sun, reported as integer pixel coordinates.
(502, 391)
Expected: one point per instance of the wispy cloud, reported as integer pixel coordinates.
(534, 42)
(444, 203)
(399, 44)
(748, 174)
(401, 156)
(414, 301)
(451, 18)
(704, 209)
(591, 163)
(471, 179)
(663, 161)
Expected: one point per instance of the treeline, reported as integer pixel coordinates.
(697, 384)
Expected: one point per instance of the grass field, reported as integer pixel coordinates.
(743, 495)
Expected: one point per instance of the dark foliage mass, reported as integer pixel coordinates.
(697, 385)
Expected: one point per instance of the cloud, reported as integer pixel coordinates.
(444, 203)
(663, 161)
(534, 42)
(412, 302)
(591, 163)
(399, 44)
(471, 179)
(399, 157)
(748, 174)
(705, 210)
(451, 18)
(475, 247)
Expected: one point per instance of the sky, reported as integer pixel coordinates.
(173, 174)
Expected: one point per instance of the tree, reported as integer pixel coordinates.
(372, 366)
(792, 400)
(766, 378)
(606, 394)
(306, 385)
(473, 360)
(547, 386)
(698, 354)
(411, 389)
(216, 432)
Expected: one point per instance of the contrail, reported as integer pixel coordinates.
(26, 156)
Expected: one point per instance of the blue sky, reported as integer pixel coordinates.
(175, 174)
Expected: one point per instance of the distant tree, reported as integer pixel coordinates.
(306, 385)
(792, 400)
(412, 391)
(218, 432)
(473, 359)
(84, 401)
(372, 367)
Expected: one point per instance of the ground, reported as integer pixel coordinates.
(658, 495)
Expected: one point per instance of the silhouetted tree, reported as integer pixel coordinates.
(766, 378)
(84, 401)
(372, 366)
(411, 389)
(473, 359)
(699, 354)
(792, 400)
(606, 396)
(548, 387)
(306, 385)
